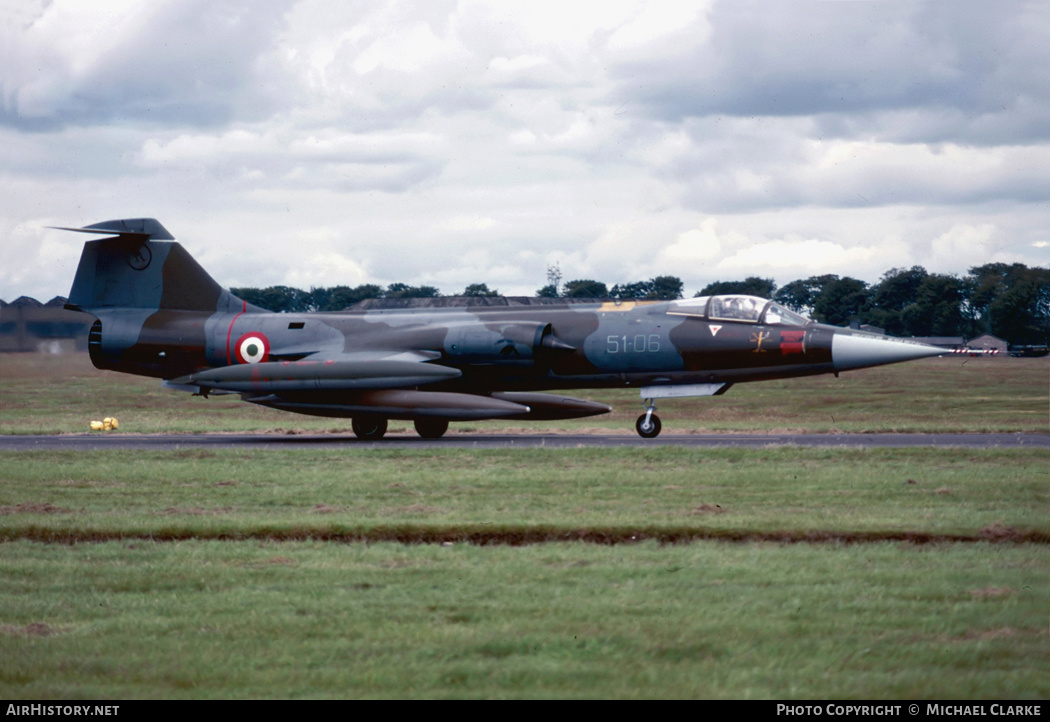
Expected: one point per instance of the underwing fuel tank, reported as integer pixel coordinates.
(404, 404)
(394, 404)
(548, 407)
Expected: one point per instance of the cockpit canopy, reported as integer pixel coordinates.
(733, 307)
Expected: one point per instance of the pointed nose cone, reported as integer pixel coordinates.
(850, 351)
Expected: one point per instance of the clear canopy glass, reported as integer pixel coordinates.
(736, 307)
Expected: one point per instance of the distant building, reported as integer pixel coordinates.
(948, 342)
(28, 325)
(988, 342)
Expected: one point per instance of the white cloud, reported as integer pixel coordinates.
(504, 66)
(326, 269)
(409, 51)
(796, 256)
(469, 224)
(699, 245)
(159, 63)
(210, 149)
(966, 244)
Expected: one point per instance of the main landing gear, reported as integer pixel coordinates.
(368, 428)
(648, 424)
(373, 428)
(431, 428)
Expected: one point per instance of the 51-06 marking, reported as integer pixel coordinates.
(639, 344)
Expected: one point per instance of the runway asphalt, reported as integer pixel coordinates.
(84, 442)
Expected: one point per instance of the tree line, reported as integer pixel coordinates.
(1011, 301)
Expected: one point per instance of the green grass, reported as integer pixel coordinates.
(250, 619)
(199, 592)
(346, 491)
(62, 394)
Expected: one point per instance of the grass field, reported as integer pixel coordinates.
(362, 572)
(666, 490)
(204, 619)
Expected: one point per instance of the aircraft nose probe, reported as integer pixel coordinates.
(855, 351)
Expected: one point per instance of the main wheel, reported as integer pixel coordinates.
(431, 428)
(650, 430)
(368, 428)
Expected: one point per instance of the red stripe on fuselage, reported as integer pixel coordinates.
(229, 331)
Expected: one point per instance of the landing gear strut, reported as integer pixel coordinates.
(648, 424)
(368, 428)
(431, 428)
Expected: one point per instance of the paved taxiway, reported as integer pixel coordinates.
(83, 442)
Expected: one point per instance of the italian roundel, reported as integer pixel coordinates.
(252, 348)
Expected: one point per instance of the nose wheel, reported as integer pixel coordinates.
(648, 424)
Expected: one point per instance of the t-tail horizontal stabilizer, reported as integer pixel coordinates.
(144, 229)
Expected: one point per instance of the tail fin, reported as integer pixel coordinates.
(139, 267)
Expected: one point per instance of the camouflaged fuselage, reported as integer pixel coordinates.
(528, 348)
(160, 314)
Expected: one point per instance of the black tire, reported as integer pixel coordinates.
(431, 428)
(368, 428)
(650, 432)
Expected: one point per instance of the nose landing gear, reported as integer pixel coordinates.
(648, 424)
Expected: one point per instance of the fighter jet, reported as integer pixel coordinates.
(158, 313)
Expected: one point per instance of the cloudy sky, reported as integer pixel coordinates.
(452, 142)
